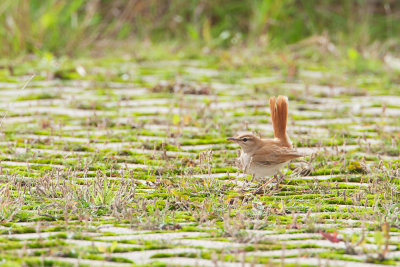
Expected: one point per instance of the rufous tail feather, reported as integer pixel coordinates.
(279, 112)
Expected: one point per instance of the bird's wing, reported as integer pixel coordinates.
(274, 154)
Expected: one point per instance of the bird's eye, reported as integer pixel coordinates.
(244, 139)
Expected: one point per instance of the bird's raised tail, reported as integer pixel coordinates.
(279, 112)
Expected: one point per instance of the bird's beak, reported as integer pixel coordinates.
(232, 139)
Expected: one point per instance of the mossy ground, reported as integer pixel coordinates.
(131, 157)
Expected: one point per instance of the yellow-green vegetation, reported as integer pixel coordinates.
(58, 27)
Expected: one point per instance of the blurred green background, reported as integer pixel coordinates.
(71, 27)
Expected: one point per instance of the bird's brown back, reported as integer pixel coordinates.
(273, 152)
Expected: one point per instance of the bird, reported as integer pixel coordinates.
(266, 157)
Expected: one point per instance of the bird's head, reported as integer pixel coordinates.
(248, 142)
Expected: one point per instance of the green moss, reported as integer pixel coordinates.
(42, 95)
(167, 190)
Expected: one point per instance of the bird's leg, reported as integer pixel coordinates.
(282, 177)
(252, 178)
(261, 189)
(279, 180)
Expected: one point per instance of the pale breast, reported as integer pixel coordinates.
(244, 161)
(258, 170)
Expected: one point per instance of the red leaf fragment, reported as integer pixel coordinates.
(331, 236)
